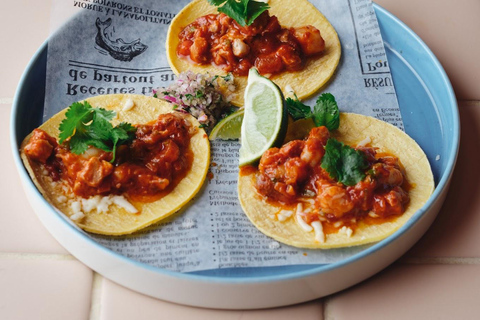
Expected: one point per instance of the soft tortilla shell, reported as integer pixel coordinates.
(353, 129)
(305, 83)
(118, 221)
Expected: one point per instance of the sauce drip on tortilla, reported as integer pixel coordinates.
(219, 40)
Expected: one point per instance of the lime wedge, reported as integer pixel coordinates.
(265, 120)
(228, 128)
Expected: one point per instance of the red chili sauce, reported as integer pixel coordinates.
(219, 40)
(146, 169)
(293, 171)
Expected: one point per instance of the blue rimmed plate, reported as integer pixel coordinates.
(430, 115)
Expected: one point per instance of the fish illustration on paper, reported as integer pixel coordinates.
(117, 49)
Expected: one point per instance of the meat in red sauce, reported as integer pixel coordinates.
(151, 165)
(219, 40)
(293, 171)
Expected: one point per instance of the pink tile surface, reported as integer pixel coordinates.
(20, 229)
(44, 289)
(411, 292)
(119, 303)
(452, 31)
(455, 232)
(35, 286)
(29, 22)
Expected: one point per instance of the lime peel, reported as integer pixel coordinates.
(229, 127)
(265, 119)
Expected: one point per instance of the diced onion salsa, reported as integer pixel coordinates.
(219, 40)
(145, 169)
(293, 175)
(206, 97)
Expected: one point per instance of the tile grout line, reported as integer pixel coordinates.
(440, 260)
(470, 102)
(6, 101)
(326, 313)
(36, 256)
(95, 307)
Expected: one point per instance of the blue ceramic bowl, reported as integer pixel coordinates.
(430, 115)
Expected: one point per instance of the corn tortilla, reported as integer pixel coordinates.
(317, 71)
(353, 129)
(117, 220)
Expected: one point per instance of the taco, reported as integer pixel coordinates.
(282, 36)
(295, 197)
(153, 174)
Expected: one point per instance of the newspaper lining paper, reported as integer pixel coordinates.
(118, 47)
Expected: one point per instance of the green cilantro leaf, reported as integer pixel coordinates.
(100, 126)
(343, 163)
(243, 11)
(76, 115)
(254, 9)
(121, 134)
(297, 109)
(78, 143)
(216, 2)
(326, 113)
(87, 126)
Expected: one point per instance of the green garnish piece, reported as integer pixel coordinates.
(326, 113)
(88, 126)
(243, 11)
(343, 163)
(122, 134)
(228, 77)
(297, 109)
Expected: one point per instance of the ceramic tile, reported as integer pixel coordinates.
(119, 303)
(20, 229)
(452, 31)
(411, 292)
(455, 231)
(30, 21)
(44, 289)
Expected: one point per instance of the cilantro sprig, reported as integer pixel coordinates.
(243, 11)
(86, 126)
(343, 163)
(297, 109)
(325, 112)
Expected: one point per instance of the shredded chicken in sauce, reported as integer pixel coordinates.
(155, 161)
(293, 171)
(219, 40)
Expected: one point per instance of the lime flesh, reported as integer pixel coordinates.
(265, 119)
(228, 128)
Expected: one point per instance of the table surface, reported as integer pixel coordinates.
(439, 278)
